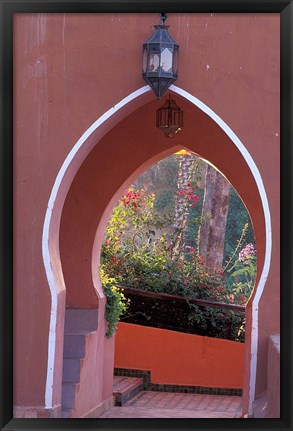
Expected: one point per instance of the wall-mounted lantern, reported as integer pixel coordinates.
(170, 118)
(160, 59)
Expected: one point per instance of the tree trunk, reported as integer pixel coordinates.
(186, 171)
(214, 212)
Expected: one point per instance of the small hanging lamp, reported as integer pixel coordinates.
(170, 118)
(160, 59)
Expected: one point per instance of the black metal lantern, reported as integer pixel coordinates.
(160, 59)
(170, 118)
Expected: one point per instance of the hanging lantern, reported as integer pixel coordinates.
(160, 59)
(170, 118)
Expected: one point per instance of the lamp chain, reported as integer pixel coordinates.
(163, 18)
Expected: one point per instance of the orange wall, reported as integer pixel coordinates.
(178, 358)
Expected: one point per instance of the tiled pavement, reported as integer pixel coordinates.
(148, 404)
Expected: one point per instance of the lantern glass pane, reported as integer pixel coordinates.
(175, 62)
(154, 62)
(166, 60)
(144, 60)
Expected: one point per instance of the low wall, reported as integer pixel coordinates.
(179, 359)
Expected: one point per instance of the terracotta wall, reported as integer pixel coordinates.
(179, 359)
(273, 371)
(69, 69)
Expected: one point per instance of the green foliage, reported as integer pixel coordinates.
(116, 304)
(221, 323)
(237, 218)
(161, 180)
(240, 278)
(138, 252)
(142, 257)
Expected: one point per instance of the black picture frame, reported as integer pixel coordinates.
(7, 9)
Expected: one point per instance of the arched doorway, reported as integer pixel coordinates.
(104, 161)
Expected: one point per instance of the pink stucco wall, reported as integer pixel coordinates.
(273, 372)
(65, 77)
(92, 393)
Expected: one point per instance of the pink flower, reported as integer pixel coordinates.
(247, 252)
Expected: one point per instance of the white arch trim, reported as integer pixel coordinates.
(45, 238)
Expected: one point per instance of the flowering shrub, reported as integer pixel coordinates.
(138, 252)
(240, 278)
(188, 193)
(116, 304)
(247, 253)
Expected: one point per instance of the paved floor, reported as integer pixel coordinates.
(148, 404)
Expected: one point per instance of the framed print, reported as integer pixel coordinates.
(146, 215)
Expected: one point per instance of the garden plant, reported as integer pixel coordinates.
(140, 251)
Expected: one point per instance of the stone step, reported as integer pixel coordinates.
(74, 346)
(144, 412)
(124, 388)
(68, 396)
(80, 321)
(71, 370)
(78, 324)
(66, 413)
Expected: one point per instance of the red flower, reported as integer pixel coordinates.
(231, 298)
(114, 260)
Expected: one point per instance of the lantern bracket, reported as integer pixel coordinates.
(164, 16)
